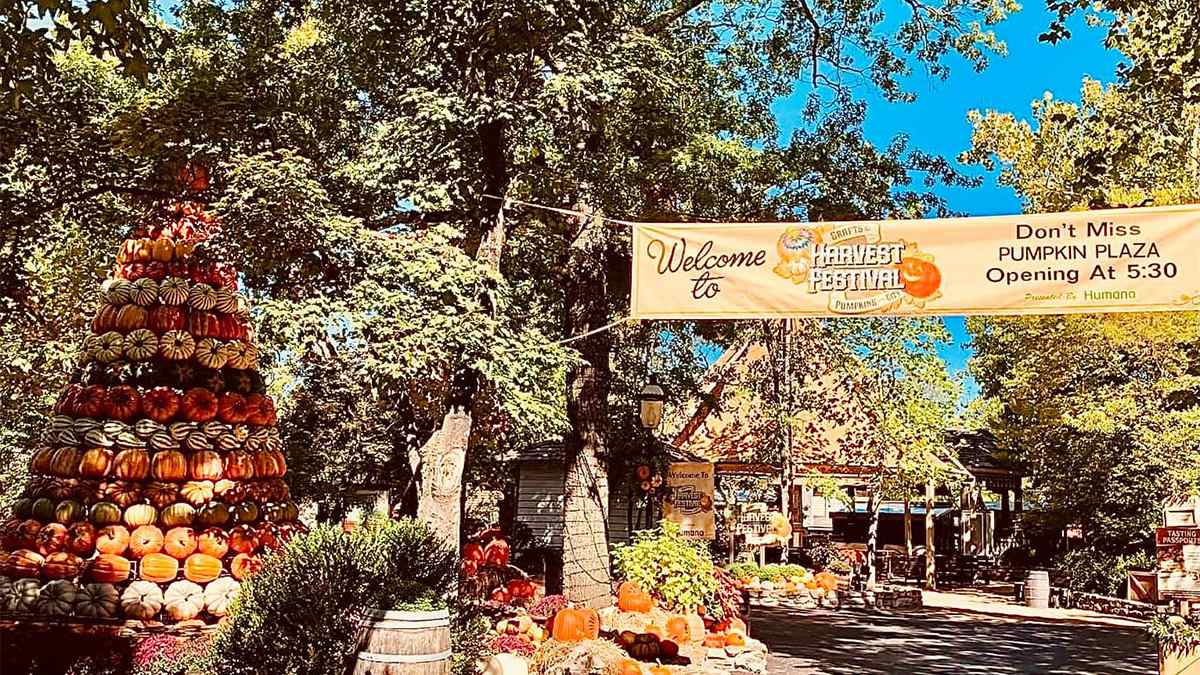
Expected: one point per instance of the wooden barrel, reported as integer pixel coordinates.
(401, 642)
(1037, 589)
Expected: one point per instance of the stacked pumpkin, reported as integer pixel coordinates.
(159, 481)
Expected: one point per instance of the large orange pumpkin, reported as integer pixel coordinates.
(108, 568)
(677, 630)
(159, 568)
(145, 540)
(25, 563)
(201, 568)
(65, 462)
(206, 465)
(213, 542)
(631, 598)
(244, 565)
(180, 542)
(628, 667)
(169, 465)
(243, 539)
(132, 464)
(576, 625)
(239, 465)
(62, 565)
(112, 540)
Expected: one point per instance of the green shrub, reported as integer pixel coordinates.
(676, 571)
(772, 573)
(1093, 571)
(299, 615)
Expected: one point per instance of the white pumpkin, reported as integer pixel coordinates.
(6, 591)
(57, 598)
(219, 594)
(184, 600)
(506, 664)
(142, 600)
(24, 595)
(98, 601)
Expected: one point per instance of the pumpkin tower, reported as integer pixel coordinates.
(159, 478)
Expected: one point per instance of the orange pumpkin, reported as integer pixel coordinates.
(214, 542)
(112, 540)
(244, 565)
(159, 568)
(714, 640)
(96, 463)
(180, 542)
(108, 568)
(660, 670)
(243, 539)
(145, 540)
(201, 568)
(735, 640)
(169, 465)
(65, 462)
(631, 598)
(206, 465)
(239, 465)
(576, 625)
(738, 625)
(677, 630)
(629, 667)
(132, 464)
(62, 565)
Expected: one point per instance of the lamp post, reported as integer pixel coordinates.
(651, 400)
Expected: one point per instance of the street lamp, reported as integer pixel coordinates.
(651, 401)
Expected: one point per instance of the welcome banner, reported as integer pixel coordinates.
(1117, 260)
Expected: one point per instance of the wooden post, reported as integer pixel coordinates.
(442, 459)
(930, 559)
(785, 489)
(908, 547)
(873, 505)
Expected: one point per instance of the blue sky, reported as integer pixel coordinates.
(937, 122)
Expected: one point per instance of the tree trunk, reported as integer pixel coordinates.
(930, 560)
(442, 460)
(873, 505)
(586, 577)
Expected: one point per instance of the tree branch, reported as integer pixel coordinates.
(101, 190)
(667, 17)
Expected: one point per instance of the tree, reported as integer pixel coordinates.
(1103, 409)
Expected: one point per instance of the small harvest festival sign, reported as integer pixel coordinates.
(1118, 260)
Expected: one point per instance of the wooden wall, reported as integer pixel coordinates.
(540, 503)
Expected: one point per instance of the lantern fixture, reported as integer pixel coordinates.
(651, 401)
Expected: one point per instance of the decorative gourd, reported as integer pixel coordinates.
(98, 601)
(164, 319)
(140, 345)
(202, 297)
(62, 565)
(206, 465)
(576, 625)
(108, 568)
(244, 512)
(69, 511)
(142, 600)
(112, 539)
(714, 640)
(131, 464)
(176, 345)
(57, 598)
(109, 347)
(213, 541)
(232, 408)
(268, 536)
(169, 465)
(145, 540)
(140, 514)
(173, 291)
(199, 405)
(123, 493)
(81, 539)
(124, 402)
(678, 630)
(23, 595)
(25, 563)
(208, 353)
(43, 509)
(218, 595)
(163, 250)
(161, 495)
(197, 493)
(130, 318)
(213, 513)
(52, 538)
(65, 462)
(239, 465)
(183, 600)
(735, 639)
(145, 292)
(96, 463)
(179, 542)
(244, 539)
(631, 598)
(177, 515)
(159, 568)
(628, 667)
(244, 565)
(201, 568)
(42, 460)
(106, 319)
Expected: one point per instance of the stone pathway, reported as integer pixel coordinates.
(948, 639)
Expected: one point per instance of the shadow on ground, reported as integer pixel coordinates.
(942, 641)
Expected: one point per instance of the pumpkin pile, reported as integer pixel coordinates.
(159, 478)
(485, 572)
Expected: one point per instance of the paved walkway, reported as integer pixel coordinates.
(958, 635)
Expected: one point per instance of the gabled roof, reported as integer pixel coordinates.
(729, 423)
(979, 451)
